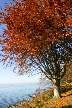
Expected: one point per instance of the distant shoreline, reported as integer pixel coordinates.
(19, 83)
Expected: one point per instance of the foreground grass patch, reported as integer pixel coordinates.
(43, 101)
(46, 100)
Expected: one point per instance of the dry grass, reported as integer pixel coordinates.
(43, 101)
(46, 100)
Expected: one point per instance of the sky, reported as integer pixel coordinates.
(7, 76)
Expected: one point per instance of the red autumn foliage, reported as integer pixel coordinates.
(39, 33)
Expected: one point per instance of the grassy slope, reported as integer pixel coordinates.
(46, 100)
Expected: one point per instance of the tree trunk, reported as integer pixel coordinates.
(56, 86)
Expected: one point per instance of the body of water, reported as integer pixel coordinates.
(13, 93)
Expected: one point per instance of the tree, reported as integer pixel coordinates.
(39, 35)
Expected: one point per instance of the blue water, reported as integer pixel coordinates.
(11, 94)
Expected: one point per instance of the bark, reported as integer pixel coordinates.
(56, 86)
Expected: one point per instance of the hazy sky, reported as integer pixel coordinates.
(6, 74)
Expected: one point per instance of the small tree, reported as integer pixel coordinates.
(38, 35)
